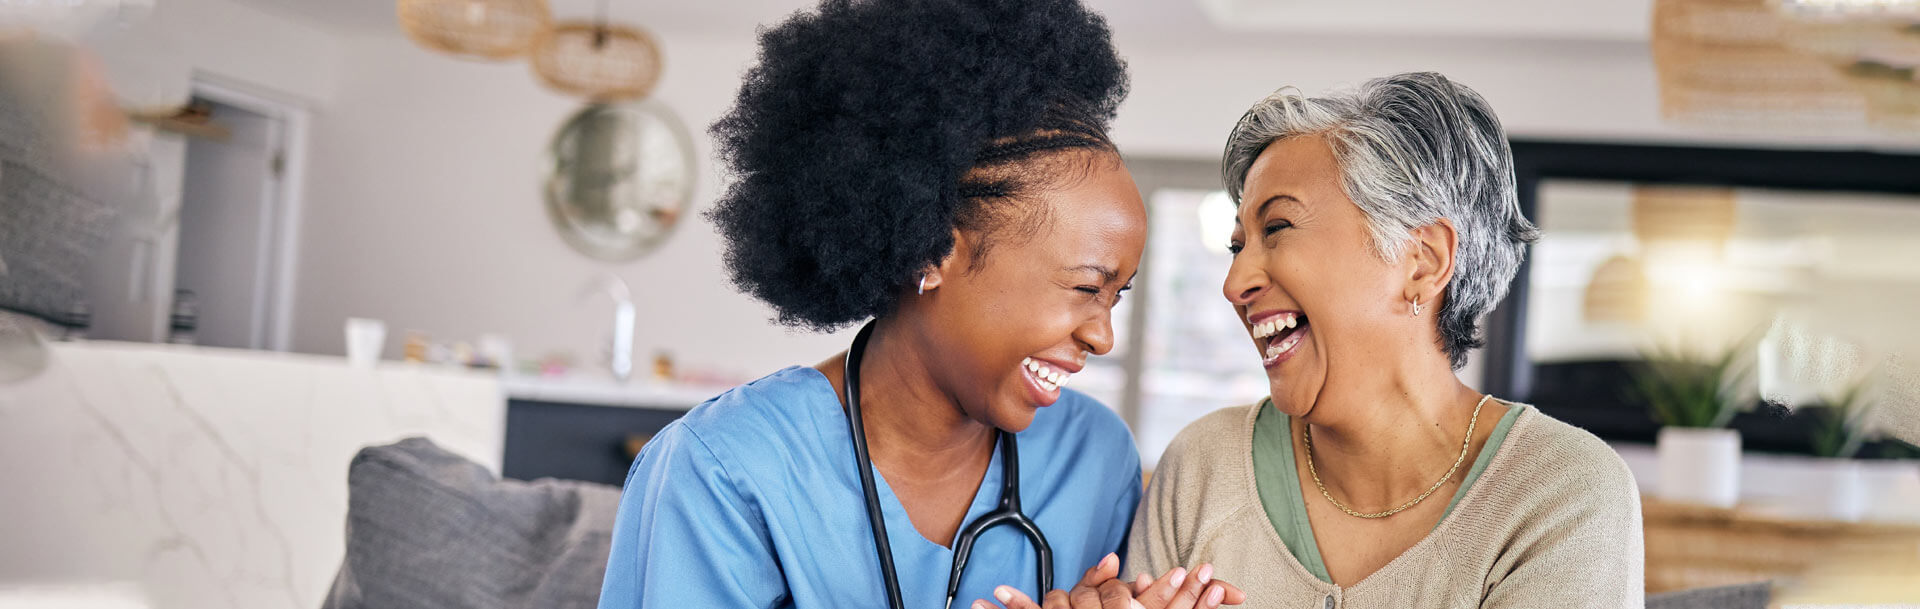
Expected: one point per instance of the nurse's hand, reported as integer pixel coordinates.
(1180, 589)
(1100, 588)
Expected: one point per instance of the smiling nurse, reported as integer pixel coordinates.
(942, 169)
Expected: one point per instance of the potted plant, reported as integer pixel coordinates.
(1693, 400)
(1836, 486)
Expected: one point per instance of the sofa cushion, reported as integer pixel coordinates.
(429, 529)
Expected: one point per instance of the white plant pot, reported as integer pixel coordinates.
(1700, 466)
(1834, 489)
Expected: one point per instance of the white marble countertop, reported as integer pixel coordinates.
(576, 388)
(606, 391)
(206, 478)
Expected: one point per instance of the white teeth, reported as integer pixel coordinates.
(1275, 350)
(1274, 326)
(1047, 377)
(1264, 329)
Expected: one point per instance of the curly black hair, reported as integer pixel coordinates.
(871, 129)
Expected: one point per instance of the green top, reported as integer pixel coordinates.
(1278, 481)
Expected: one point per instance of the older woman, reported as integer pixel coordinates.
(1375, 227)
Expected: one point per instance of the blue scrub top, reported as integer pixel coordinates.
(751, 500)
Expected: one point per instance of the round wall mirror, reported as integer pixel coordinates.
(619, 179)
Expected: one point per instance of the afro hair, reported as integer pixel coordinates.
(871, 129)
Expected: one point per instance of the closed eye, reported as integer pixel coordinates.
(1277, 226)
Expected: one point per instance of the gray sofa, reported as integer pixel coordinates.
(428, 529)
(1743, 596)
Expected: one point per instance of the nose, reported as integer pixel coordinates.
(1245, 281)
(1096, 334)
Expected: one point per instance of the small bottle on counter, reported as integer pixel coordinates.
(184, 320)
(415, 349)
(77, 321)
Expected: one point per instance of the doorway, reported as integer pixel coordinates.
(238, 219)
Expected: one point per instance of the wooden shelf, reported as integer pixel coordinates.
(1695, 546)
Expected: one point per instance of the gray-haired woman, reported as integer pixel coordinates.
(1375, 227)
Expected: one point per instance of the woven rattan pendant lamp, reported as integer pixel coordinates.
(597, 61)
(1807, 64)
(477, 29)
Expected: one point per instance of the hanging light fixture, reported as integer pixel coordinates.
(1726, 63)
(1617, 292)
(598, 61)
(1807, 65)
(477, 29)
(1702, 215)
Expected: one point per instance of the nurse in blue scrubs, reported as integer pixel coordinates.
(940, 169)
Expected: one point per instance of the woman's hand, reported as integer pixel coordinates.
(1179, 589)
(1100, 588)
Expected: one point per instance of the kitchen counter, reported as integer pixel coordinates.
(205, 477)
(605, 391)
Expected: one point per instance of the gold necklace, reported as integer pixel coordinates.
(1306, 434)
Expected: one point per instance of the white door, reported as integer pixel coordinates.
(227, 219)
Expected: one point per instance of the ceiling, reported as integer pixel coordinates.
(1617, 20)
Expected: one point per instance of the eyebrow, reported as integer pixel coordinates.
(1106, 273)
(1268, 203)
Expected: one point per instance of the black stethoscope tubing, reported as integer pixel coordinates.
(1008, 511)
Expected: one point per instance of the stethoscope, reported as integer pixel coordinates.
(1007, 513)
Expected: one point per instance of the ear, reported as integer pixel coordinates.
(1430, 261)
(953, 263)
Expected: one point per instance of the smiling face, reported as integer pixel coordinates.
(1319, 303)
(1003, 331)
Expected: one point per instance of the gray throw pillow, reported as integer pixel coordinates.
(429, 529)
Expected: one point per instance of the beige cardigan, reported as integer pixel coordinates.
(1553, 521)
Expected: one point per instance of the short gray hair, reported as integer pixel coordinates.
(1412, 148)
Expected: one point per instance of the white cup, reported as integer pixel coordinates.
(497, 349)
(366, 338)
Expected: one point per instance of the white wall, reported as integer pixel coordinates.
(424, 205)
(424, 209)
(218, 39)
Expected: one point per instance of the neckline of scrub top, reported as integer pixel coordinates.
(985, 496)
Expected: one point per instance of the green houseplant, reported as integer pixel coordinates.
(1693, 399)
(1684, 391)
(1841, 427)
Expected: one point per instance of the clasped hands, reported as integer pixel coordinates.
(1101, 588)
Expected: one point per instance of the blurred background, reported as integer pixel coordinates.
(242, 239)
